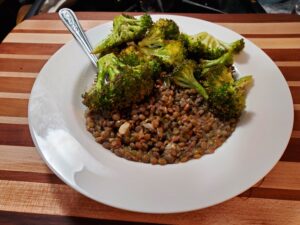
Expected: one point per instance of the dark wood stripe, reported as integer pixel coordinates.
(30, 177)
(291, 73)
(271, 35)
(15, 134)
(297, 118)
(292, 152)
(296, 94)
(16, 84)
(17, 218)
(13, 107)
(21, 65)
(283, 54)
(271, 193)
(29, 49)
(225, 18)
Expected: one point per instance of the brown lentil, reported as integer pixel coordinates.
(173, 125)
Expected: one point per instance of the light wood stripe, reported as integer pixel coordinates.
(264, 28)
(56, 24)
(267, 43)
(17, 56)
(58, 199)
(14, 95)
(21, 158)
(244, 28)
(288, 63)
(294, 83)
(18, 74)
(277, 43)
(297, 107)
(13, 120)
(37, 38)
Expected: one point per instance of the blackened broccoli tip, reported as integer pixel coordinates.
(126, 28)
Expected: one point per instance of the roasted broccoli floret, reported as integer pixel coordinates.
(161, 30)
(118, 85)
(210, 67)
(227, 96)
(228, 100)
(169, 53)
(206, 46)
(183, 76)
(161, 42)
(133, 56)
(125, 29)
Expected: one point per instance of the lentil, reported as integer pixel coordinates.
(173, 125)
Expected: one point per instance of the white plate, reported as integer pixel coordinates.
(57, 125)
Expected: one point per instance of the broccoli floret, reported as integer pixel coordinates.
(226, 95)
(206, 46)
(161, 30)
(125, 29)
(119, 85)
(229, 100)
(133, 56)
(169, 53)
(161, 42)
(183, 76)
(208, 69)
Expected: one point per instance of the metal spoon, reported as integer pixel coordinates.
(70, 20)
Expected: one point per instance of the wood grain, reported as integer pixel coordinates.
(32, 49)
(13, 107)
(12, 218)
(21, 65)
(16, 84)
(12, 134)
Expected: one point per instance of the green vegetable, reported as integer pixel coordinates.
(161, 42)
(183, 76)
(119, 85)
(227, 96)
(206, 46)
(125, 29)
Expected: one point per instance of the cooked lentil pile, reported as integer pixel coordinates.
(172, 126)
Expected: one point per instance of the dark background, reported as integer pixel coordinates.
(9, 9)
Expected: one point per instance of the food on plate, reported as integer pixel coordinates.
(162, 96)
(125, 28)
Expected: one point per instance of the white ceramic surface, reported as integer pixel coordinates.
(57, 125)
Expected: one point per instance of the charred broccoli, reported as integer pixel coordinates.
(125, 29)
(118, 85)
(183, 76)
(161, 42)
(207, 46)
(161, 30)
(227, 96)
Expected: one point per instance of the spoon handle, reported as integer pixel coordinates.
(70, 20)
